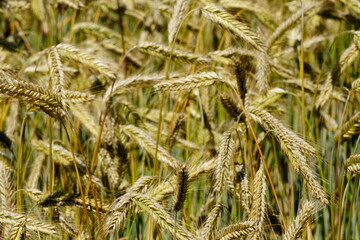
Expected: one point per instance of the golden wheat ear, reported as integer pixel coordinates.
(229, 22)
(188, 83)
(352, 164)
(177, 17)
(164, 52)
(149, 144)
(258, 207)
(56, 72)
(161, 216)
(209, 227)
(96, 30)
(223, 163)
(236, 231)
(349, 56)
(30, 93)
(303, 217)
(294, 147)
(349, 129)
(310, 9)
(78, 55)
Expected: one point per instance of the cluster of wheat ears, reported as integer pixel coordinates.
(179, 119)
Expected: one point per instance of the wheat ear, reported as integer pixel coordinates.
(223, 163)
(177, 17)
(179, 56)
(236, 231)
(181, 186)
(353, 5)
(6, 188)
(33, 94)
(352, 164)
(77, 97)
(209, 227)
(312, 7)
(163, 218)
(75, 4)
(348, 57)
(133, 82)
(258, 207)
(56, 72)
(303, 216)
(149, 144)
(294, 147)
(121, 206)
(349, 129)
(97, 30)
(12, 218)
(78, 55)
(227, 21)
(190, 82)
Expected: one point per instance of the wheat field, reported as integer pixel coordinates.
(180, 119)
